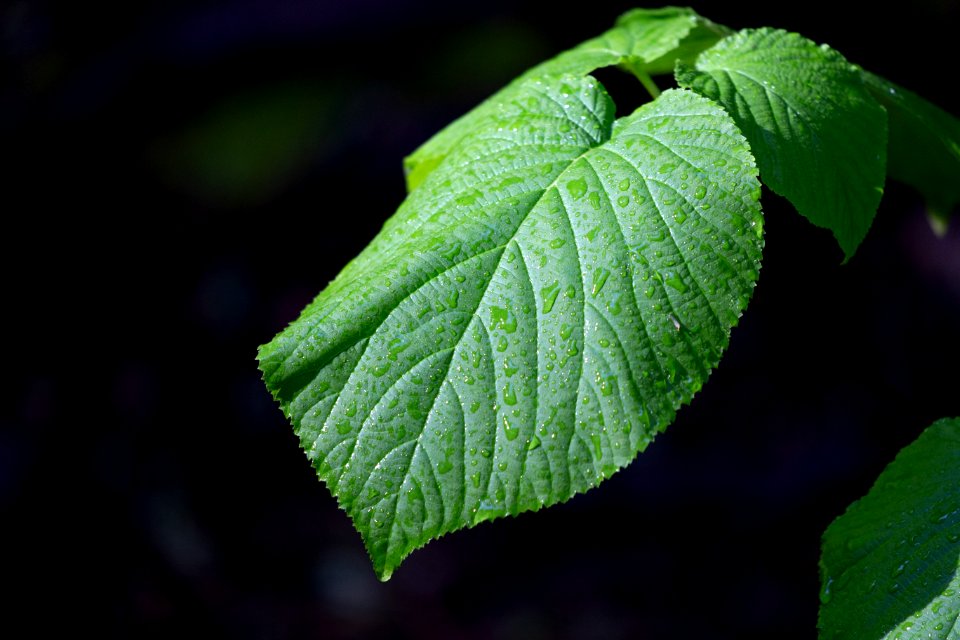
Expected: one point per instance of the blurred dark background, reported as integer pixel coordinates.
(182, 177)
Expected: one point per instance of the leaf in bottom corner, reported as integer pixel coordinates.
(891, 564)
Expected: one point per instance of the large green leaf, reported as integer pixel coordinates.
(643, 41)
(531, 316)
(891, 564)
(818, 135)
(924, 149)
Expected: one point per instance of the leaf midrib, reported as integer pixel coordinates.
(552, 185)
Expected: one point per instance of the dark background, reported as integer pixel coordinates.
(182, 177)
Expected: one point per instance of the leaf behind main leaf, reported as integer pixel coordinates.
(643, 40)
(532, 315)
(818, 135)
(924, 147)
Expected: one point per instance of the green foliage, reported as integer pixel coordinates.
(818, 135)
(924, 144)
(558, 282)
(644, 41)
(891, 563)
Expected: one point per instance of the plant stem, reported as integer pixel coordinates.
(646, 81)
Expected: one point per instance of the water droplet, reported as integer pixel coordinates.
(577, 188)
(509, 396)
(475, 479)
(510, 431)
(613, 304)
(624, 184)
(534, 443)
(825, 594)
(607, 385)
(675, 281)
(549, 295)
(395, 347)
(597, 450)
(381, 369)
(504, 319)
(444, 466)
(667, 167)
(900, 569)
(700, 192)
(343, 427)
(623, 201)
(600, 276)
(556, 243)
(452, 298)
(594, 199)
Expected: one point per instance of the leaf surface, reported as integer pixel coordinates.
(818, 135)
(530, 317)
(645, 41)
(924, 146)
(891, 564)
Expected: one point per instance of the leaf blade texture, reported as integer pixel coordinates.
(534, 313)
(818, 135)
(643, 40)
(890, 566)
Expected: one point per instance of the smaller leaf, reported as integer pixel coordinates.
(924, 149)
(818, 135)
(891, 564)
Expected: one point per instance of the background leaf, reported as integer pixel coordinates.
(643, 41)
(924, 146)
(891, 564)
(532, 315)
(818, 135)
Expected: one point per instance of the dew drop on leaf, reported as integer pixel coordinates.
(600, 276)
(577, 188)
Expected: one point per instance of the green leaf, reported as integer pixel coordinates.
(643, 41)
(924, 147)
(534, 313)
(891, 564)
(818, 135)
